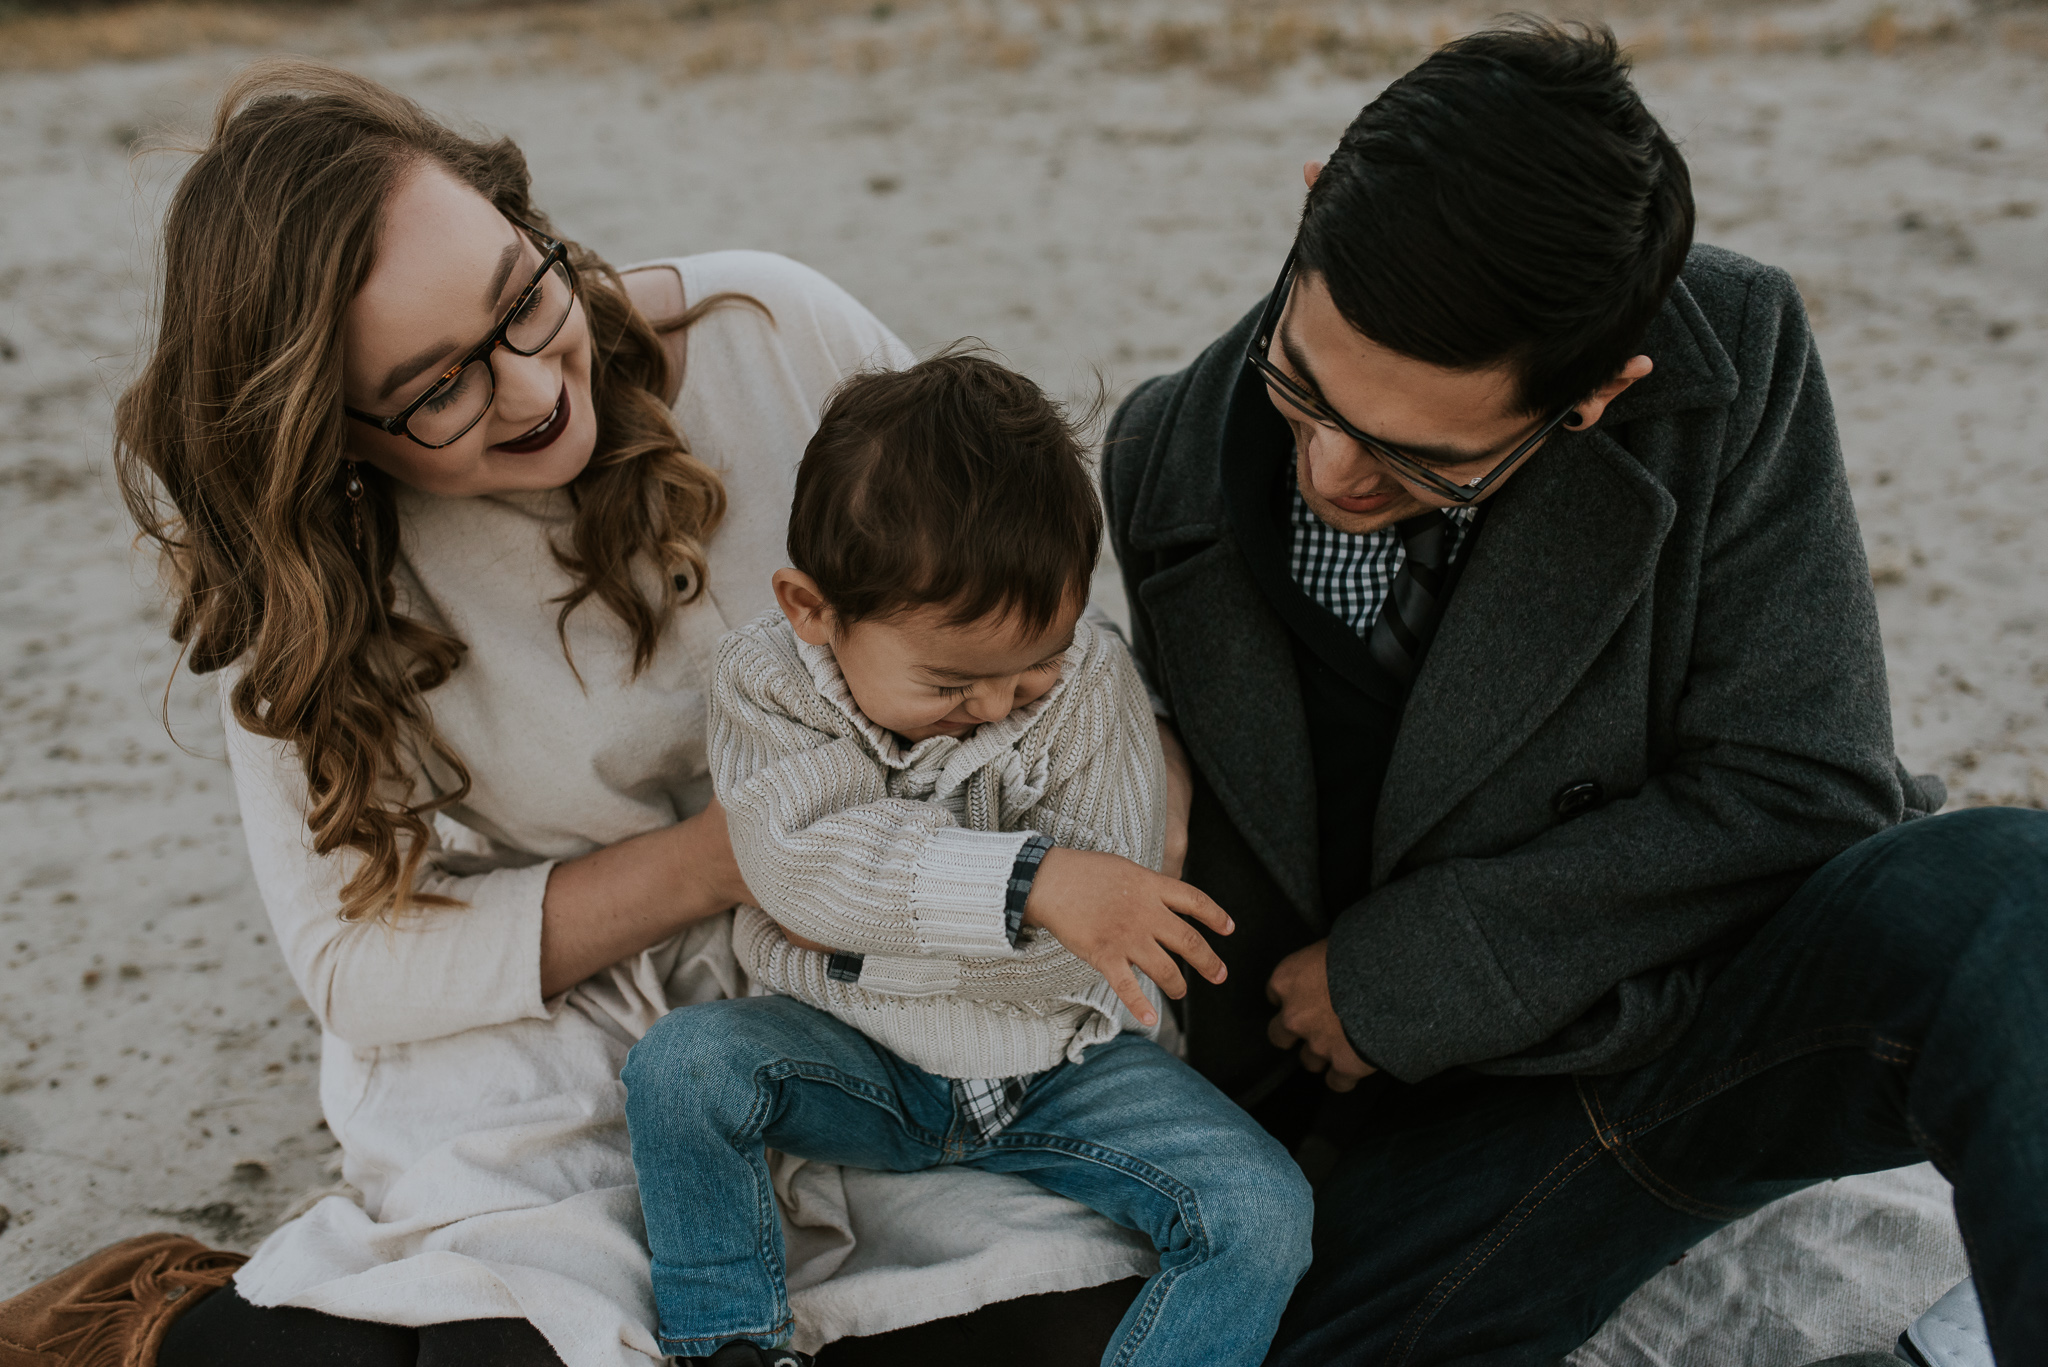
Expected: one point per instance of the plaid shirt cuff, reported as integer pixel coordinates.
(1022, 873)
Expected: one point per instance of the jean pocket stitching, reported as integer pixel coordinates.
(1650, 1180)
(1737, 1072)
(1618, 1137)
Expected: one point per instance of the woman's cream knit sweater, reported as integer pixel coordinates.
(903, 856)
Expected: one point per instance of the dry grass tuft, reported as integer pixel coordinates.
(64, 42)
(1239, 43)
(1251, 41)
(1882, 33)
(2028, 35)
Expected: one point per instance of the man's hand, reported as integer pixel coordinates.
(1117, 915)
(1180, 799)
(1300, 987)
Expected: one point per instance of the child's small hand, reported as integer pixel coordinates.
(1116, 915)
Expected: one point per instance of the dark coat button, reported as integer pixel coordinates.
(1576, 799)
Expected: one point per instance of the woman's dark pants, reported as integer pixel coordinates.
(1895, 1009)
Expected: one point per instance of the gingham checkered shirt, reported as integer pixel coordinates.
(989, 1104)
(1348, 573)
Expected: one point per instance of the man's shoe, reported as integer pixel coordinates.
(1950, 1334)
(742, 1353)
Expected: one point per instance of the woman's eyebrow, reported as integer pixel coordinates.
(409, 369)
(405, 371)
(507, 259)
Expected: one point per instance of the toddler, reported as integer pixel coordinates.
(944, 788)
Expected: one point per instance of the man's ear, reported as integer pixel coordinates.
(1588, 411)
(1309, 171)
(796, 593)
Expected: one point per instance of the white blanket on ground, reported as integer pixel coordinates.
(1837, 1268)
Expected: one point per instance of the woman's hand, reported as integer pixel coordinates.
(617, 901)
(1117, 915)
(1180, 799)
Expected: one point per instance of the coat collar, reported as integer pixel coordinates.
(1229, 668)
(939, 763)
(1570, 545)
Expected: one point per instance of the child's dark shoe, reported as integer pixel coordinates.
(741, 1353)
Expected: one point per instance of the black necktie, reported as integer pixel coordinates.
(1415, 603)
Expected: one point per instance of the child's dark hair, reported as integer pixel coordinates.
(956, 482)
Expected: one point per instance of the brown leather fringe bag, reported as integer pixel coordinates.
(112, 1308)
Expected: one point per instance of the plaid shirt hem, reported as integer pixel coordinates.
(989, 1104)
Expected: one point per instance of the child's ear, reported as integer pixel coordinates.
(796, 593)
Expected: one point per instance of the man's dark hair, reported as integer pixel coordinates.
(1510, 199)
(955, 482)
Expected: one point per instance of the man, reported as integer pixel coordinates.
(1500, 576)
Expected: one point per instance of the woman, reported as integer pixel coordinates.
(416, 471)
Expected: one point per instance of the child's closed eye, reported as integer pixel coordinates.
(1049, 665)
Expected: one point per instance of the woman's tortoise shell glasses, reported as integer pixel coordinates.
(460, 396)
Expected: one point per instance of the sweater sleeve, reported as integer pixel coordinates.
(1103, 777)
(1105, 773)
(369, 983)
(828, 853)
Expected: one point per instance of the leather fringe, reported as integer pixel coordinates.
(111, 1309)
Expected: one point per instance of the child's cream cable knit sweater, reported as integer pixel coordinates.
(903, 856)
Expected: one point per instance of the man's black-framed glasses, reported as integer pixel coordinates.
(458, 399)
(1315, 410)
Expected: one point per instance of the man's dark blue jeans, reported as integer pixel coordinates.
(1895, 1009)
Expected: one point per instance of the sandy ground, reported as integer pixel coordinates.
(1077, 203)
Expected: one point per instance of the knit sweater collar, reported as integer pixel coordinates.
(948, 761)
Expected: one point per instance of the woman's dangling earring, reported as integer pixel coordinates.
(352, 488)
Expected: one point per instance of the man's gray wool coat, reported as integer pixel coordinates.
(1673, 604)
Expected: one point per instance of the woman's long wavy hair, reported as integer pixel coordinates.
(232, 452)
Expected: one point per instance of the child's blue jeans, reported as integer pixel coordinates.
(1131, 1132)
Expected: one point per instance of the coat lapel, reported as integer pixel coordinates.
(1569, 546)
(1230, 670)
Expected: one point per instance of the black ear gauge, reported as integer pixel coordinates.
(1576, 421)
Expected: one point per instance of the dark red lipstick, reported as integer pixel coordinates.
(543, 436)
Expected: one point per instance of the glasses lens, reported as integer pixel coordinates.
(1294, 398)
(452, 407)
(540, 315)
